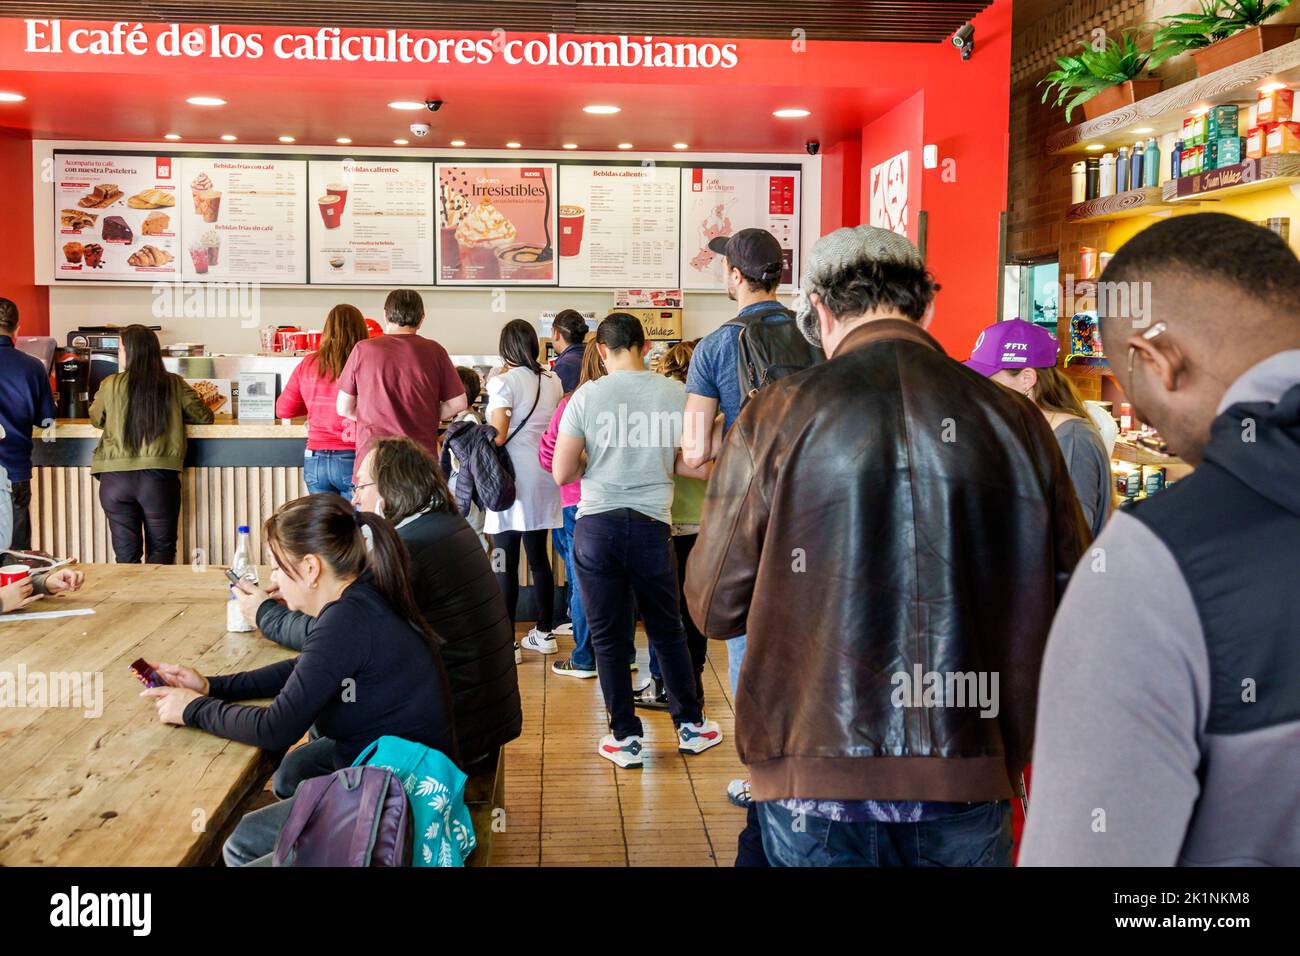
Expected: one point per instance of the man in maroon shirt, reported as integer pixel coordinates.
(400, 383)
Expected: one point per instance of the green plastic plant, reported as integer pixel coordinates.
(1080, 77)
(1217, 20)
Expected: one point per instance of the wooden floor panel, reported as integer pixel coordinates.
(565, 806)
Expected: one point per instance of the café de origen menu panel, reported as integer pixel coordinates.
(243, 219)
(721, 202)
(115, 217)
(371, 221)
(618, 226)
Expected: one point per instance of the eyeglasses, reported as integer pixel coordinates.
(366, 484)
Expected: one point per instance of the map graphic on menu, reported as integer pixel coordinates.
(371, 222)
(243, 219)
(115, 217)
(619, 226)
(721, 202)
(496, 224)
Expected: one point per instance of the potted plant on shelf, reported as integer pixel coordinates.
(1101, 80)
(1225, 32)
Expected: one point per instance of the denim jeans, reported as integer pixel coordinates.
(325, 470)
(582, 656)
(254, 838)
(620, 550)
(980, 836)
(735, 657)
(696, 642)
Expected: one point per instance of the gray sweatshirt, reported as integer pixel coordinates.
(1125, 772)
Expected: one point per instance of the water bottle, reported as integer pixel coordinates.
(1151, 163)
(1121, 171)
(244, 566)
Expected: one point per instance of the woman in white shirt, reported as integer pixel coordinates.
(521, 399)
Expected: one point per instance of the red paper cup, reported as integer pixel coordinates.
(313, 341)
(572, 221)
(331, 210)
(13, 572)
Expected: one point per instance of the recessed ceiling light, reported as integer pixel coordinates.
(792, 113)
(401, 142)
(171, 135)
(229, 137)
(11, 97)
(286, 139)
(570, 145)
(600, 110)
(1200, 111)
(458, 142)
(624, 145)
(405, 105)
(343, 141)
(681, 145)
(206, 101)
(1272, 87)
(512, 145)
(1144, 129)
(1093, 147)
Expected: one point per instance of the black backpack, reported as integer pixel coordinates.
(770, 348)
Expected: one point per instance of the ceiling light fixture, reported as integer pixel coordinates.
(1093, 147)
(171, 135)
(1144, 130)
(681, 146)
(11, 97)
(229, 137)
(401, 142)
(286, 139)
(570, 145)
(791, 113)
(512, 145)
(624, 145)
(343, 141)
(1272, 87)
(206, 101)
(405, 105)
(458, 142)
(600, 110)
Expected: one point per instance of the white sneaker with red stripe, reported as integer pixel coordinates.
(626, 752)
(697, 738)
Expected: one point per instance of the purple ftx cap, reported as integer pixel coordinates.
(1012, 345)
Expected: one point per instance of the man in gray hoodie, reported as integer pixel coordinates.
(1169, 705)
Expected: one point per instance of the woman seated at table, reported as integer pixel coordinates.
(369, 667)
(456, 591)
(37, 585)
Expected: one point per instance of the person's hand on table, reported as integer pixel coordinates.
(16, 595)
(250, 597)
(178, 675)
(64, 580)
(171, 702)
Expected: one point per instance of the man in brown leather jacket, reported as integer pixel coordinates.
(893, 532)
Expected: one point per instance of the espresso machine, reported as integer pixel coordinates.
(72, 371)
(100, 342)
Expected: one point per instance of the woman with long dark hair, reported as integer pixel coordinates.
(371, 668)
(522, 397)
(313, 390)
(143, 411)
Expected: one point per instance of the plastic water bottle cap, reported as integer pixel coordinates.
(243, 529)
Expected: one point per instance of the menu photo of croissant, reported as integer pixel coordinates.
(150, 257)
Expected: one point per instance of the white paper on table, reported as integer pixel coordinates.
(46, 615)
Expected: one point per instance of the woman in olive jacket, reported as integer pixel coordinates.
(143, 411)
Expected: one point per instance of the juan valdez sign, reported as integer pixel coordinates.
(335, 44)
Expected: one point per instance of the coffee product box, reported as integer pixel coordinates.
(1255, 142)
(1282, 138)
(1274, 106)
(1221, 123)
(1225, 151)
(1194, 130)
(1189, 162)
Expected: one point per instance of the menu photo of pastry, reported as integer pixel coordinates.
(117, 229)
(72, 252)
(156, 224)
(104, 194)
(152, 199)
(149, 257)
(74, 220)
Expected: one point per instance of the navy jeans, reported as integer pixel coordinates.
(620, 550)
(980, 836)
(328, 471)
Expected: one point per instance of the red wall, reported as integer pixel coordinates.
(898, 130)
(17, 260)
(841, 190)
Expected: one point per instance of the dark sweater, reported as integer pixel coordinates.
(395, 685)
(460, 599)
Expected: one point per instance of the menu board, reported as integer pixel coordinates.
(371, 222)
(619, 225)
(115, 217)
(496, 224)
(243, 219)
(721, 202)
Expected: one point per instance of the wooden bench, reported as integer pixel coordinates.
(485, 792)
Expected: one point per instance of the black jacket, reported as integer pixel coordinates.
(460, 599)
(485, 468)
(885, 512)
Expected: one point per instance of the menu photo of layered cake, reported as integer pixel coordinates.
(102, 195)
(116, 229)
(496, 224)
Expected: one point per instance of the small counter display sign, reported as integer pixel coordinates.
(257, 396)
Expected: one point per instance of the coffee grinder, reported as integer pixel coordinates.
(73, 368)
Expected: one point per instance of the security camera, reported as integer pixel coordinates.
(420, 129)
(812, 146)
(433, 105)
(964, 40)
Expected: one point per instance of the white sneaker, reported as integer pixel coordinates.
(697, 738)
(539, 641)
(565, 628)
(626, 752)
(519, 655)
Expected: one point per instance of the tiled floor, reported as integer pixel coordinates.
(566, 806)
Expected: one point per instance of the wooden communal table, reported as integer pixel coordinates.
(122, 789)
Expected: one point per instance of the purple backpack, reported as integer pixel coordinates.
(357, 816)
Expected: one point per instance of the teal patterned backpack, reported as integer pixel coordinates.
(435, 787)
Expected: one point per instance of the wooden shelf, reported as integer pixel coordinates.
(1164, 112)
(1132, 202)
(1137, 455)
(1087, 364)
(1270, 172)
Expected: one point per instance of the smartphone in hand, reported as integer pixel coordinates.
(146, 674)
